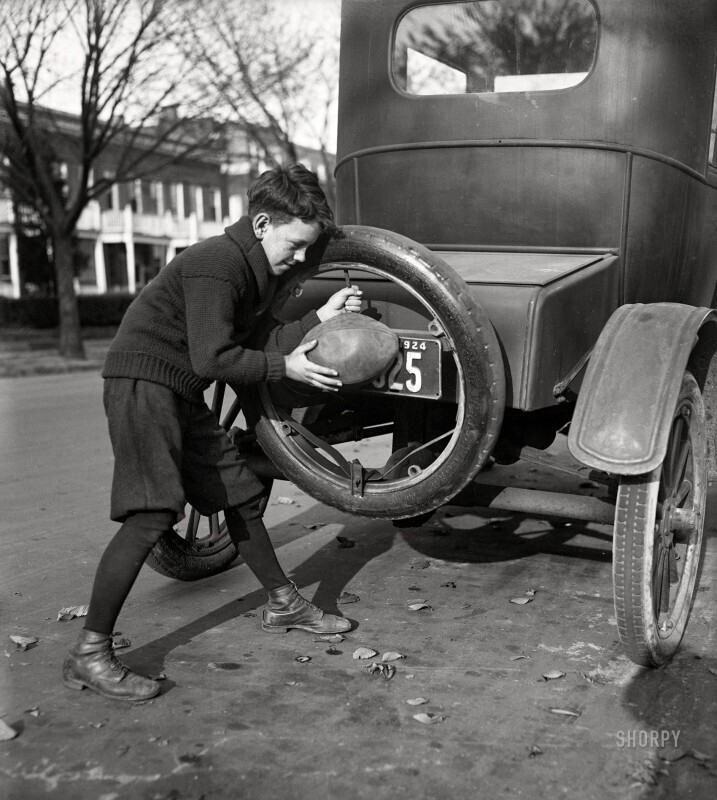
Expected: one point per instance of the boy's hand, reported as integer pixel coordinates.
(299, 368)
(346, 300)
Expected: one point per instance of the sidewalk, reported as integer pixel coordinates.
(27, 351)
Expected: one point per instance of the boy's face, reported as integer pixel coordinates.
(285, 243)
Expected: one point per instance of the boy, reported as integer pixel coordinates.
(203, 318)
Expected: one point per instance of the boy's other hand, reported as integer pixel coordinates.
(299, 368)
(346, 300)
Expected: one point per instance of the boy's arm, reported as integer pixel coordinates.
(215, 353)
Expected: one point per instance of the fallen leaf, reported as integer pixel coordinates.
(521, 601)
(347, 597)
(553, 675)
(417, 701)
(517, 658)
(118, 644)
(283, 501)
(335, 638)
(302, 659)
(415, 589)
(387, 670)
(712, 670)
(671, 754)
(365, 652)
(409, 676)
(531, 592)
(391, 656)
(420, 563)
(427, 718)
(6, 732)
(534, 750)
(70, 612)
(565, 712)
(344, 542)
(698, 756)
(419, 606)
(449, 585)
(23, 642)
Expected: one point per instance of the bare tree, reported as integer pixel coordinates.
(276, 75)
(115, 64)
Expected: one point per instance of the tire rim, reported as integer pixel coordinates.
(337, 472)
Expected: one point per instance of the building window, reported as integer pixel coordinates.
(85, 262)
(116, 267)
(108, 199)
(211, 212)
(170, 198)
(492, 46)
(190, 199)
(148, 259)
(5, 275)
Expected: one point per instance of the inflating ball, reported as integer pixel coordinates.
(359, 348)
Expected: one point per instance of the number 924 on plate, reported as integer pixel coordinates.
(416, 372)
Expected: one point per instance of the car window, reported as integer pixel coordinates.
(494, 46)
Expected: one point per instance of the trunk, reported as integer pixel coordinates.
(71, 345)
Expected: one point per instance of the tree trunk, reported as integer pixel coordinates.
(71, 345)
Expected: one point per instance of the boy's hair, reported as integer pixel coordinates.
(291, 191)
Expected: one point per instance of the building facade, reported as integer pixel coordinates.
(125, 237)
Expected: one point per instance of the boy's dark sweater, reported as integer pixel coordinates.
(190, 325)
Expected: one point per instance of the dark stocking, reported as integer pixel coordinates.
(248, 533)
(120, 564)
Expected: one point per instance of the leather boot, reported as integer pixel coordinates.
(93, 664)
(288, 609)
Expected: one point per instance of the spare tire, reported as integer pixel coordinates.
(458, 319)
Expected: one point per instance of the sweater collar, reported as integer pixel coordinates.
(242, 234)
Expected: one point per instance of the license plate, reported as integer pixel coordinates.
(416, 372)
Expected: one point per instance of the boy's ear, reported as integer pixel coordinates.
(260, 223)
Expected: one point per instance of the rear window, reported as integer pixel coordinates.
(494, 46)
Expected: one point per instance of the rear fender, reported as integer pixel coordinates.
(624, 410)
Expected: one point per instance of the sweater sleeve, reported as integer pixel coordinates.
(211, 306)
(283, 337)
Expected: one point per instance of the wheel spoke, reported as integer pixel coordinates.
(674, 456)
(684, 454)
(683, 493)
(192, 525)
(214, 526)
(218, 399)
(661, 582)
(672, 562)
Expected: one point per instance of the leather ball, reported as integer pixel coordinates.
(358, 347)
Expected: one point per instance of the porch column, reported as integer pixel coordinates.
(14, 265)
(100, 270)
(128, 237)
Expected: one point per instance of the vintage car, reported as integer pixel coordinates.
(527, 191)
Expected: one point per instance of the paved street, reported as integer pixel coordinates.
(240, 717)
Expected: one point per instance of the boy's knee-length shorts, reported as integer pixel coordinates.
(170, 451)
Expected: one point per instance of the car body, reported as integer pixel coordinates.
(527, 194)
